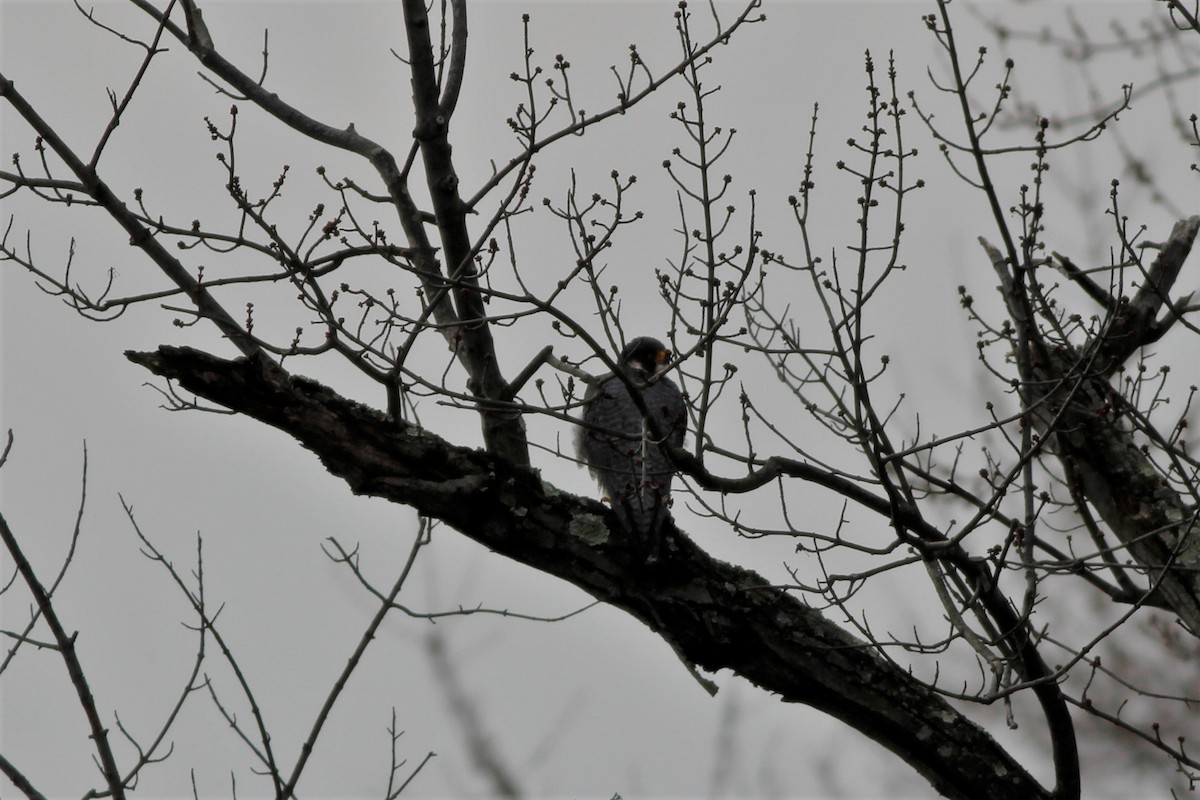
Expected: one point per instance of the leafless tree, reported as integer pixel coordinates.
(1075, 476)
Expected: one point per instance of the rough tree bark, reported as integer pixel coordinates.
(1088, 424)
(714, 614)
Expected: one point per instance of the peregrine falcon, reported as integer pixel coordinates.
(619, 446)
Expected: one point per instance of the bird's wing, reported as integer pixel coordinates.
(665, 403)
(605, 446)
(587, 412)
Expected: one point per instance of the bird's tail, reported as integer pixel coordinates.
(645, 513)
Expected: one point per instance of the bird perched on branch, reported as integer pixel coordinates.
(624, 448)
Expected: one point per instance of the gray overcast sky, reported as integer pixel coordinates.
(582, 708)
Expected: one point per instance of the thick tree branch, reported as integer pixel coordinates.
(503, 433)
(1138, 324)
(458, 60)
(717, 615)
(1088, 428)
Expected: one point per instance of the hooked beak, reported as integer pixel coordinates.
(661, 359)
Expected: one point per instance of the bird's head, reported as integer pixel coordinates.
(645, 357)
